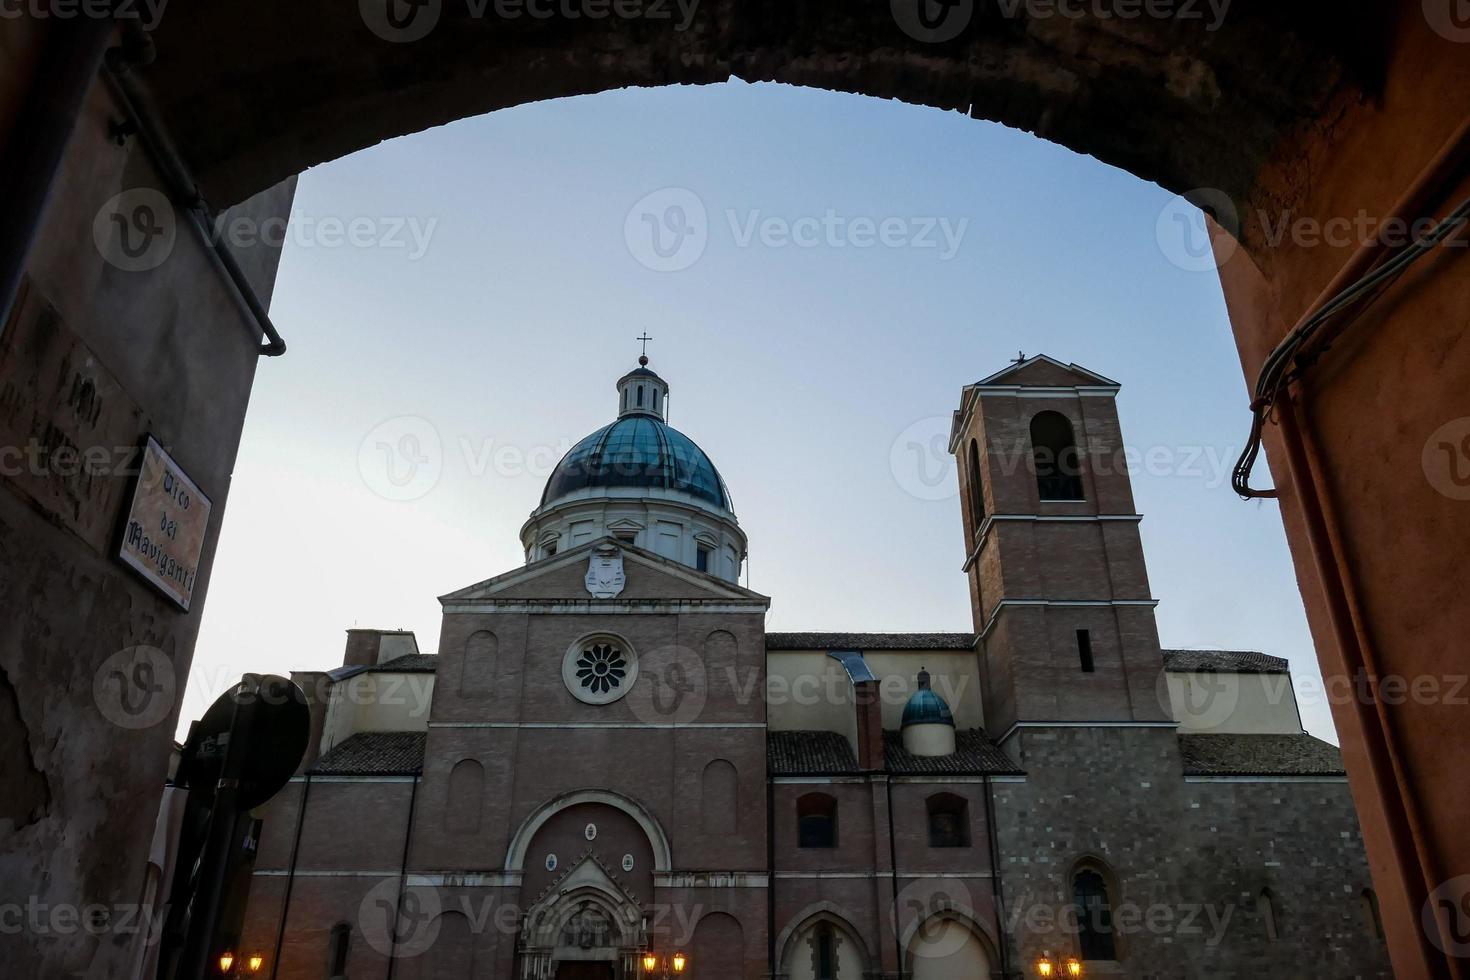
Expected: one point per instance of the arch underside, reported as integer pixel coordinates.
(1187, 102)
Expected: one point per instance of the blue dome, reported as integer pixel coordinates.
(926, 707)
(638, 451)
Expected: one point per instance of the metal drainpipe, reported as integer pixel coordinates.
(771, 871)
(403, 869)
(117, 67)
(997, 890)
(290, 876)
(37, 144)
(893, 874)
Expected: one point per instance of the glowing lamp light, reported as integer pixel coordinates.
(1074, 967)
(1045, 967)
(650, 962)
(226, 960)
(679, 962)
(255, 962)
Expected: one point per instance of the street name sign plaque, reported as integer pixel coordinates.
(163, 536)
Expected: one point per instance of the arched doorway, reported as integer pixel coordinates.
(587, 928)
(588, 859)
(949, 945)
(948, 951)
(824, 946)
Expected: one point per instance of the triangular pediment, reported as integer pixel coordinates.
(590, 873)
(1041, 371)
(589, 889)
(562, 577)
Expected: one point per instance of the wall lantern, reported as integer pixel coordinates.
(1048, 967)
(669, 966)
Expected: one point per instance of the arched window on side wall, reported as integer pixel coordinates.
(977, 489)
(1054, 452)
(816, 821)
(1095, 939)
(1266, 908)
(949, 820)
(341, 938)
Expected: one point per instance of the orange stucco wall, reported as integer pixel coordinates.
(1367, 412)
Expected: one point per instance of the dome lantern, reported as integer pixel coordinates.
(642, 392)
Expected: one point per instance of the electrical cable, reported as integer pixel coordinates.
(1287, 362)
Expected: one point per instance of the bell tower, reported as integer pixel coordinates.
(1058, 586)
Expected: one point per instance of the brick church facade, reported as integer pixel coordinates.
(610, 757)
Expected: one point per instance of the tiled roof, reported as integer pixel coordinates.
(1223, 662)
(812, 753)
(804, 753)
(409, 663)
(974, 754)
(374, 754)
(870, 641)
(1259, 755)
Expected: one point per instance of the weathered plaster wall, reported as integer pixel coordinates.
(93, 358)
(1375, 410)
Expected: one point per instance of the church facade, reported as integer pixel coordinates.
(610, 761)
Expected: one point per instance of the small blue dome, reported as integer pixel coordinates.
(639, 451)
(926, 707)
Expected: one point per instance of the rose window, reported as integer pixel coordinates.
(601, 668)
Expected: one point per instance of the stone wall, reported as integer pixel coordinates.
(1187, 861)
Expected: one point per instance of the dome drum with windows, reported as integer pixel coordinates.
(640, 480)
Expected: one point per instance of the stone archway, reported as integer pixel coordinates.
(1292, 108)
(1188, 101)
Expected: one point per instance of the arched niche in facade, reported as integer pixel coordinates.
(515, 857)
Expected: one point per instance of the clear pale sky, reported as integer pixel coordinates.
(815, 367)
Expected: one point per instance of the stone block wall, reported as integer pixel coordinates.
(1186, 861)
